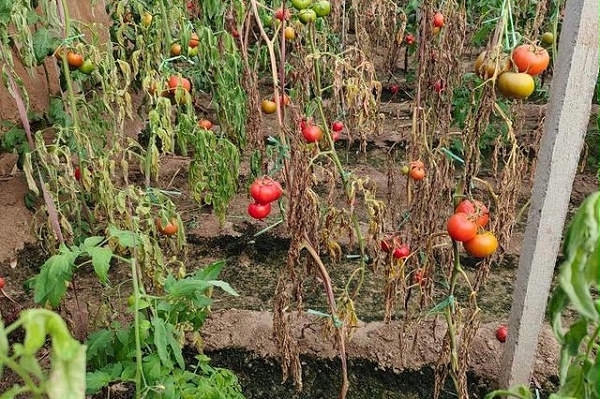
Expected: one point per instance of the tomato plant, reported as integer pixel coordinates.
(460, 228)
(530, 59)
(481, 245)
(259, 211)
(265, 190)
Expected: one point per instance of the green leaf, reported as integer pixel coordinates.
(50, 284)
(160, 339)
(520, 391)
(67, 377)
(44, 43)
(100, 344)
(210, 272)
(35, 332)
(101, 261)
(91, 242)
(573, 386)
(224, 286)
(96, 380)
(126, 238)
(175, 345)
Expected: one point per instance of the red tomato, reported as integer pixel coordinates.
(265, 190)
(259, 211)
(386, 245)
(502, 333)
(417, 173)
(77, 173)
(337, 126)
(194, 40)
(2, 283)
(312, 133)
(284, 99)
(418, 278)
(169, 229)
(475, 210)
(401, 252)
(531, 59)
(394, 89)
(335, 136)
(481, 245)
(281, 15)
(205, 124)
(439, 85)
(438, 20)
(235, 33)
(178, 81)
(410, 39)
(460, 228)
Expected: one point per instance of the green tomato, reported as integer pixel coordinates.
(307, 15)
(301, 4)
(192, 51)
(87, 67)
(322, 8)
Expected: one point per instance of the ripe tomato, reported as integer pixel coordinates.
(418, 278)
(516, 85)
(312, 133)
(259, 211)
(486, 67)
(502, 333)
(175, 49)
(289, 33)
(74, 60)
(460, 228)
(410, 39)
(178, 81)
(265, 190)
(337, 126)
(475, 210)
(194, 40)
(77, 173)
(205, 124)
(268, 106)
(281, 15)
(531, 59)
(235, 33)
(417, 172)
(386, 245)
(169, 229)
(284, 99)
(2, 283)
(401, 252)
(439, 85)
(335, 136)
(438, 20)
(482, 245)
(394, 89)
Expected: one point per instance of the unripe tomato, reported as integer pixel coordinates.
(205, 124)
(482, 245)
(281, 15)
(259, 211)
(301, 4)
(405, 169)
(192, 51)
(268, 106)
(460, 228)
(307, 15)
(289, 33)
(265, 190)
(87, 67)
(438, 20)
(501, 333)
(169, 229)
(531, 59)
(322, 8)
(548, 38)
(516, 85)
(475, 210)
(312, 133)
(146, 19)
(486, 67)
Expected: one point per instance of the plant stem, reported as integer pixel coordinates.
(136, 326)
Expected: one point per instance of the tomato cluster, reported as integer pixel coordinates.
(466, 225)
(515, 73)
(263, 190)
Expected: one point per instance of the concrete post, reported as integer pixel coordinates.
(567, 117)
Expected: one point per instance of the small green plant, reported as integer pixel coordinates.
(66, 377)
(579, 364)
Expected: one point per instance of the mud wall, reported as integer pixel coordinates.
(42, 82)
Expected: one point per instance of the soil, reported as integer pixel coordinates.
(238, 334)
